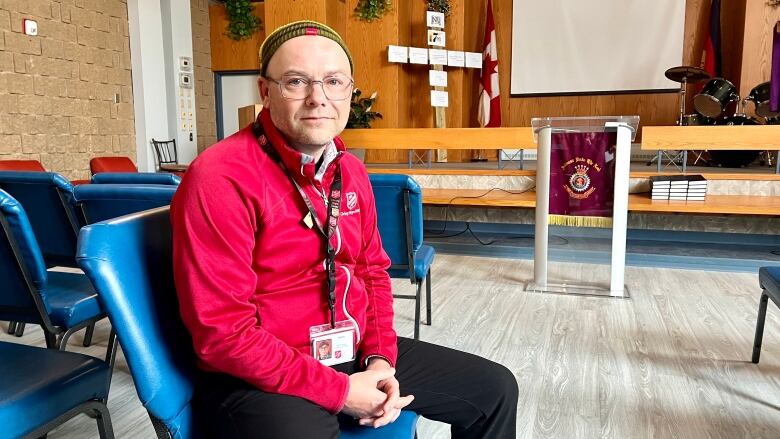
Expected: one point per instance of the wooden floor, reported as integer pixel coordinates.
(671, 362)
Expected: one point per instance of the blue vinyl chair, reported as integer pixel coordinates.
(129, 260)
(400, 222)
(769, 280)
(42, 388)
(99, 202)
(136, 178)
(61, 303)
(47, 198)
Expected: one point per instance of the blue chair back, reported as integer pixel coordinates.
(136, 178)
(99, 202)
(47, 197)
(399, 217)
(129, 261)
(22, 269)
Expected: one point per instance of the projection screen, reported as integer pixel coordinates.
(595, 46)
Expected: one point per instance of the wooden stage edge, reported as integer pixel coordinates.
(722, 137)
(532, 173)
(713, 205)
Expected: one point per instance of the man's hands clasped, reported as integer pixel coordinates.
(374, 396)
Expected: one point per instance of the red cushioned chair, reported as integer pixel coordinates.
(30, 165)
(111, 164)
(21, 165)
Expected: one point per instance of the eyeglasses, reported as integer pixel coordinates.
(296, 87)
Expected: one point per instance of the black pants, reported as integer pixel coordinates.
(477, 397)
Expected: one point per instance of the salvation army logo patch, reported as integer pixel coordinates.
(351, 200)
(579, 181)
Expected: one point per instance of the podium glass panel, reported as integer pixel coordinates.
(582, 181)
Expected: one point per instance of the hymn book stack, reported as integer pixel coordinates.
(678, 187)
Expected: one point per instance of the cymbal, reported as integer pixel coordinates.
(690, 74)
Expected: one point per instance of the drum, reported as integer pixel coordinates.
(715, 96)
(734, 159)
(760, 96)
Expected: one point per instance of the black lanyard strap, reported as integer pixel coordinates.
(333, 209)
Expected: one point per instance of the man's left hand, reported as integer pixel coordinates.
(394, 403)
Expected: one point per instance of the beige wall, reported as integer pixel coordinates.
(57, 89)
(204, 78)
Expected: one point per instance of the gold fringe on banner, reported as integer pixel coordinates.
(581, 221)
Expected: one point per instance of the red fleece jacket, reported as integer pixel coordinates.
(250, 275)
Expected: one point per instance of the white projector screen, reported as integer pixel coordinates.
(595, 46)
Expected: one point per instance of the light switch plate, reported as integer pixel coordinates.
(30, 27)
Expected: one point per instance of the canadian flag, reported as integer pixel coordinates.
(489, 103)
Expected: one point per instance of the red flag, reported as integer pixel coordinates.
(711, 61)
(489, 104)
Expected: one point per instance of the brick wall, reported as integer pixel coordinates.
(204, 78)
(58, 89)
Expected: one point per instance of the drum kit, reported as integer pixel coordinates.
(712, 108)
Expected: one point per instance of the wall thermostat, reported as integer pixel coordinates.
(30, 27)
(185, 64)
(185, 80)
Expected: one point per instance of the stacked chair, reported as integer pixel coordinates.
(400, 222)
(129, 260)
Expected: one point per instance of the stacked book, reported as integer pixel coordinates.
(678, 187)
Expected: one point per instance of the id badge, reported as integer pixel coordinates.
(331, 346)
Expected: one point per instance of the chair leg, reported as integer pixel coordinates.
(105, 428)
(51, 339)
(428, 297)
(19, 329)
(417, 300)
(88, 335)
(760, 327)
(11, 327)
(111, 357)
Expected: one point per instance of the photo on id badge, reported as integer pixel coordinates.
(331, 346)
(324, 349)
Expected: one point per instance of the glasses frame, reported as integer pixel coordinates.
(310, 87)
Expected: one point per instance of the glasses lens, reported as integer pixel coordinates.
(335, 87)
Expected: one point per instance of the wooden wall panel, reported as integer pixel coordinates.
(281, 12)
(368, 43)
(403, 90)
(228, 54)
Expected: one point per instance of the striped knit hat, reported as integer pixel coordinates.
(297, 29)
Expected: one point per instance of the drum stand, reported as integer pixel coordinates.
(674, 156)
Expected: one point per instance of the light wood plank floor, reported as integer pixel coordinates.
(671, 362)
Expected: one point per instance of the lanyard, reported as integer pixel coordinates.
(333, 208)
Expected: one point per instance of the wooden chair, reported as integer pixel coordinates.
(167, 156)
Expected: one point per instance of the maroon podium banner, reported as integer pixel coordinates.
(582, 176)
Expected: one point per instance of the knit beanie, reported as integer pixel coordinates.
(297, 29)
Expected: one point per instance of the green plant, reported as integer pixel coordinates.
(242, 22)
(360, 114)
(370, 10)
(443, 6)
